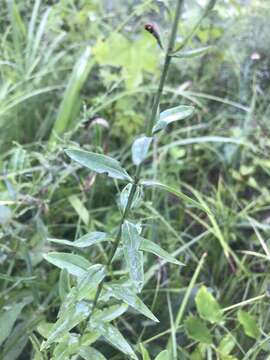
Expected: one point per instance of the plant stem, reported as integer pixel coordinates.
(167, 62)
(151, 122)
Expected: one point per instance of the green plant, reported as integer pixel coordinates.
(87, 304)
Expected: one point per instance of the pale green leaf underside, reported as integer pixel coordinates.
(140, 149)
(171, 115)
(89, 353)
(86, 240)
(74, 264)
(133, 257)
(99, 163)
(85, 288)
(68, 321)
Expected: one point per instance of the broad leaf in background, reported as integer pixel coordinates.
(89, 353)
(171, 115)
(207, 306)
(182, 196)
(74, 264)
(192, 53)
(134, 58)
(150, 246)
(114, 337)
(74, 316)
(197, 330)
(133, 257)
(128, 295)
(101, 164)
(140, 149)
(86, 240)
(124, 195)
(8, 318)
(249, 324)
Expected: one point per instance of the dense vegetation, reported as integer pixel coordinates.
(82, 75)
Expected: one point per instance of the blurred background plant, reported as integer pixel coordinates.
(84, 72)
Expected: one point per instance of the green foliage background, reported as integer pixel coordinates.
(220, 157)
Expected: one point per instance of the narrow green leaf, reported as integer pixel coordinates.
(207, 306)
(124, 196)
(80, 209)
(64, 284)
(150, 246)
(8, 318)
(140, 149)
(182, 196)
(89, 353)
(192, 53)
(164, 355)
(144, 352)
(249, 324)
(197, 330)
(76, 314)
(101, 164)
(86, 240)
(71, 100)
(74, 264)
(171, 115)
(128, 295)
(109, 314)
(115, 338)
(133, 257)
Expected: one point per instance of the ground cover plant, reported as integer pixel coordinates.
(134, 180)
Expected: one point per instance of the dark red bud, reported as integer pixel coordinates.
(154, 30)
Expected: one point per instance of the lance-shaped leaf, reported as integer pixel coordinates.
(8, 318)
(179, 194)
(86, 287)
(74, 264)
(86, 240)
(150, 246)
(124, 197)
(133, 257)
(171, 115)
(68, 321)
(140, 149)
(101, 164)
(192, 53)
(129, 296)
(109, 314)
(115, 338)
(89, 353)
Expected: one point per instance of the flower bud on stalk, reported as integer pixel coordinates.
(153, 29)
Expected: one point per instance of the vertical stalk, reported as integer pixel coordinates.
(150, 125)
